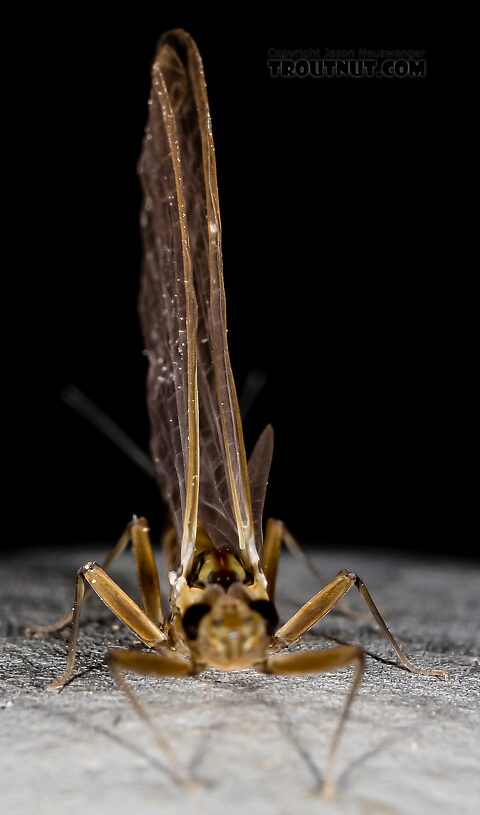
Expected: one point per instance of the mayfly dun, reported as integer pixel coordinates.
(221, 564)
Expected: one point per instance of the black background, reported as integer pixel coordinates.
(333, 212)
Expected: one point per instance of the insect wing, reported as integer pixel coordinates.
(168, 308)
(183, 300)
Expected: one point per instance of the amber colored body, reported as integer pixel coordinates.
(221, 617)
(221, 564)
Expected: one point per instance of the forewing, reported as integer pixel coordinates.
(186, 160)
(168, 308)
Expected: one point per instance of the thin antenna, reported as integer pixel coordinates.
(76, 399)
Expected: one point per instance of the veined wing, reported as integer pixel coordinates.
(183, 267)
(168, 309)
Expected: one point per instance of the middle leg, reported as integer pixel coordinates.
(325, 600)
(127, 611)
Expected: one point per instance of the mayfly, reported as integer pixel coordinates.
(221, 566)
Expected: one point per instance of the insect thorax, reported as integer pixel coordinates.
(222, 614)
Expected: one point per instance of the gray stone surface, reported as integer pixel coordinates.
(258, 743)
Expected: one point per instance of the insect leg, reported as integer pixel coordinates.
(118, 602)
(324, 601)
(327, 659)
(137, 532)
(271, 552)
(147, 574)
(275, 533)
(145, 662)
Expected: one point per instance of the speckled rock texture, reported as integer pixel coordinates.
(257, 743)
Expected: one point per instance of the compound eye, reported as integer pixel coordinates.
(192, 618)
(268, 612)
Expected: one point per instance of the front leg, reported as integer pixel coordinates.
(325, 600)
(328, 659)
(145, 662)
